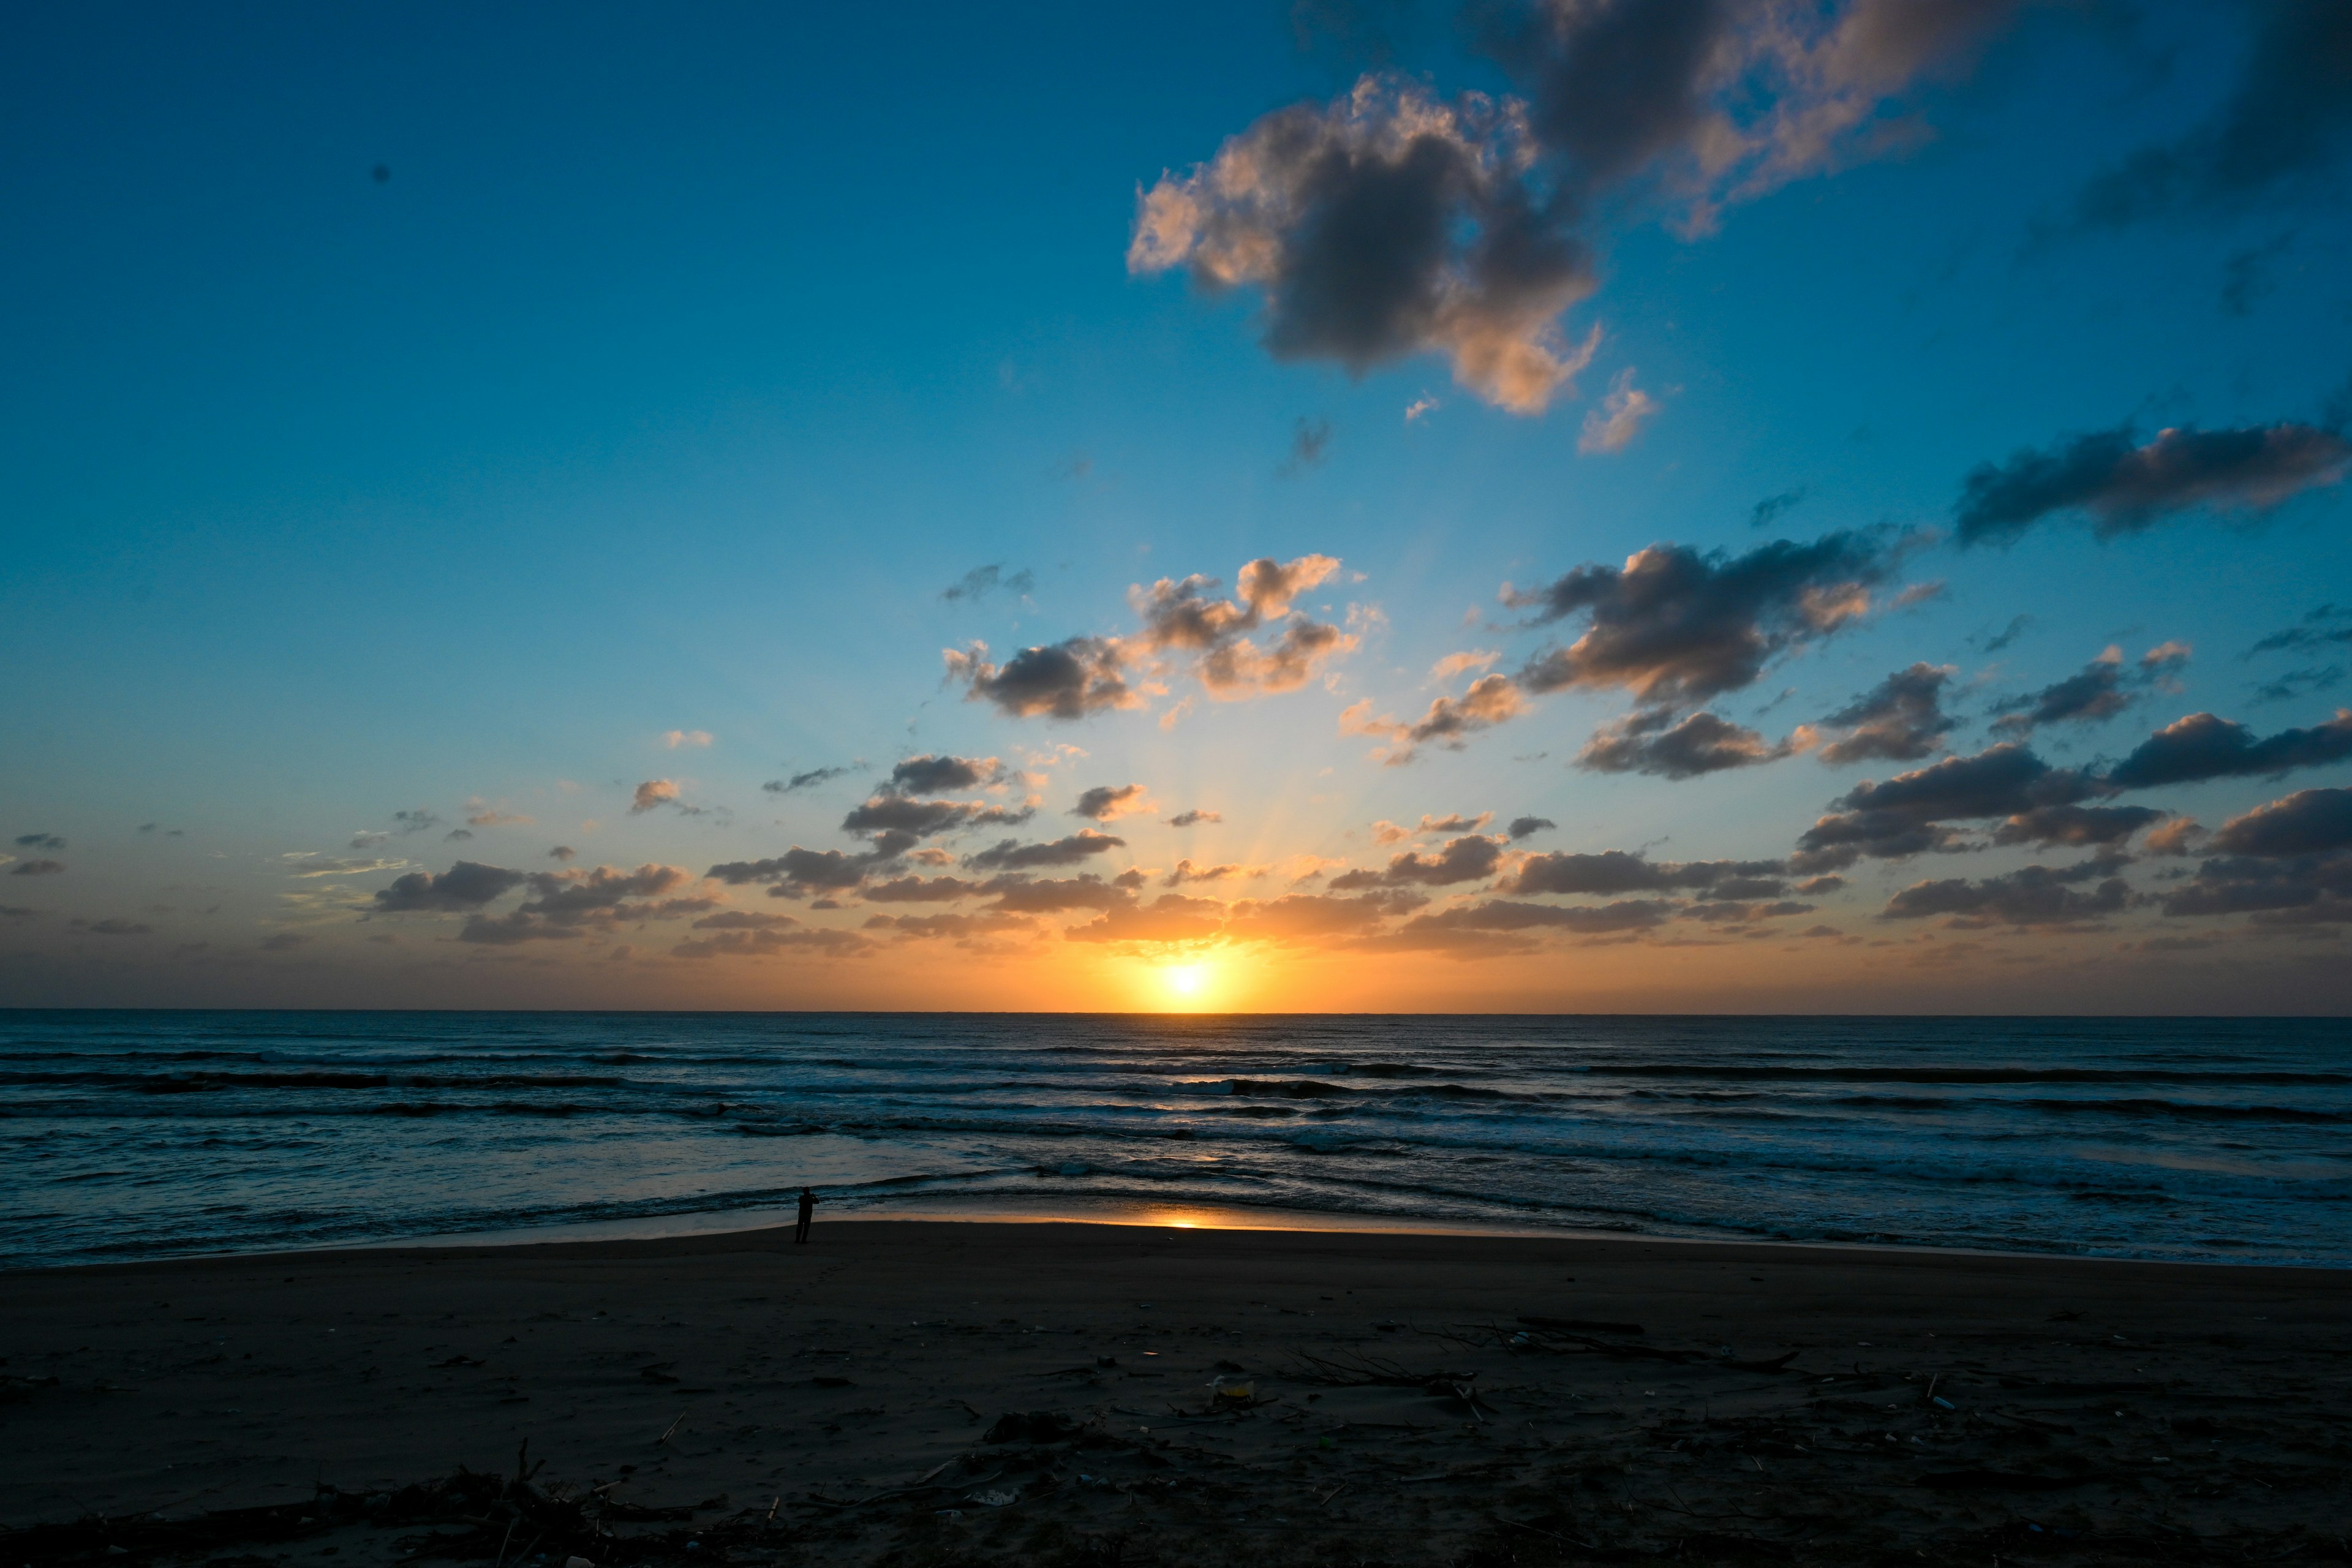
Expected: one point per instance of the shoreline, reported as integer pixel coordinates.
(1449, 1387)
(1124, 1214)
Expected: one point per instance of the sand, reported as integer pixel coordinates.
(833, 1403)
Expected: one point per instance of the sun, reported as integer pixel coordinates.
(1186, 980)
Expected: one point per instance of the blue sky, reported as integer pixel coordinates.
(678, 364)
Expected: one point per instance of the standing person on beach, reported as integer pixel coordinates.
(808, 1213)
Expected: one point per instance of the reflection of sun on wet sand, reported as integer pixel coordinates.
(929, 1391)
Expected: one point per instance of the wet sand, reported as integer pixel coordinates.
(1410, 1399)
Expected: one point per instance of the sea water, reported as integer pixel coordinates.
(144, 1134)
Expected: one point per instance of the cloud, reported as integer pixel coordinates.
(2326, 627)
(1900, 720)
(1470, 858)
(1644, 743)
(111, 925)
(489, 817)
(809, 780)
(466, 886)
(1108, 802)
(1500, 926)
(1420, 407)
(930, 775)
(1186, 871)
(775, 942)
(2180, 835)
(2246, 276)
(565, 904)
(1385, 224)
(2007, 634)
(1906, 814)
(1454, 664)
(1009, 855)
(457, 836)
(283, 942)
(417, 821)
(37, 868)
(1528, 826)
(1310, 443)
(1171, 917)
(1390, 222)
(2308, 822)
(1674, 626)
(674, 738)
(1049, 895)
(1614, 871)
(302, 865)
(561, 852)
(2202, 746)
(2030, 895)
(898, 814)
(2287, 119)
(2098, 692)
(1622, 412)
(797, 870)
(1193, 818)
(1454, 822)
(1491, 699)
(1069, 679)
(1306, 917)
(1768, 512)
(653, 794)
(921, 890)
(49, 841)
(983, 581)
(2125, 488)
(1187, 618)
(2078, 826)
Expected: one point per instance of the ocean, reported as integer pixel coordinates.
(145, 1135)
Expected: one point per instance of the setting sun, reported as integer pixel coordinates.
(1186, 980)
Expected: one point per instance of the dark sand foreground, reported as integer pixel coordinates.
(1412, 1399)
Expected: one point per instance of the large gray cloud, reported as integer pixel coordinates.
(1906, 814)
(466, 886)
(2203, 746)
(1469, 859)
(2308, 822)
(1900, 720)
(2030, 895)
(2124, 486)
(898, 814)
(1067, 679)
(2287, 118)
(1675, 626)
(1077, 848)
(1392, 222)
(798, 870)
(569, 904)
(1614, 871)
(1647, 742)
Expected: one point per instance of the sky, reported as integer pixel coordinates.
(1542, 505)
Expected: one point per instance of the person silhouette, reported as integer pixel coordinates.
(809, 1201)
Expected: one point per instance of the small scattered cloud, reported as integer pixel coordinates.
(689, 738)
(1193, 818)
(2098, 692)
(1622, 412)
(801, 781)
(1489, 700)
(930, 774)
(1310, 444)
(49, 841)
(1420, 408)
(40, 867)
(1454, 664)
(417, 821)
(490, 817)
(300, 863)
(1769, 511)
(655, 793)
(111, 925)
(1470, 858)
(561, 852)
(981, 581)
(1528, 826)
(1108, 802)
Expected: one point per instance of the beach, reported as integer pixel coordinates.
(1175, 1394)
